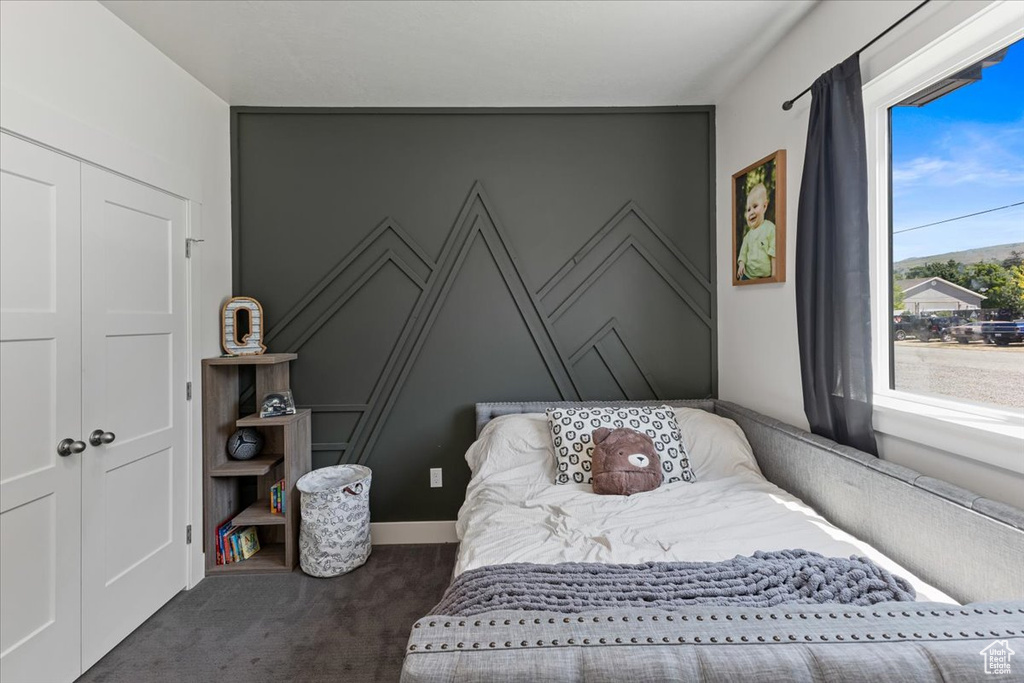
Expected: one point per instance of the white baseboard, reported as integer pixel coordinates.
(403, 533)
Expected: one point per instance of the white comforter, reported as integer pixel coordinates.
(514, 513)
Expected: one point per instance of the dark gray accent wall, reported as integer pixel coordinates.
(422, 261)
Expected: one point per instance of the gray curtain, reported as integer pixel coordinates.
(832, 296)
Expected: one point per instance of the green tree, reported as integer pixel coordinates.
(897, 295)
(1016, 258)
(1017, 286)
(951, 271)
(1003, 287)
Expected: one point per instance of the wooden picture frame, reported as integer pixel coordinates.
(760, 266)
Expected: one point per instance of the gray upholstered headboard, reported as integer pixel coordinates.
(485, 412)
(968, 546)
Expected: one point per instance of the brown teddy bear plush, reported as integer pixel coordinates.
(624, 462)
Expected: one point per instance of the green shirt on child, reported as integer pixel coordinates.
(757, 250)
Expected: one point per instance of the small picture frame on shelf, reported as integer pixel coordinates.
(277, 403)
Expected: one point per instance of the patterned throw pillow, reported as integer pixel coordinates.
(571, 436)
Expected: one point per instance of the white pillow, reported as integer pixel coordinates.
(571, 437)
(519, 443)
(716, 445)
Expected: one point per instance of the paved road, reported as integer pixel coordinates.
(976, 372)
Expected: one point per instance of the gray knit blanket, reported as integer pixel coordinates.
(762, 580)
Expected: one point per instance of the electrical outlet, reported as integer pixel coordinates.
(435, 477)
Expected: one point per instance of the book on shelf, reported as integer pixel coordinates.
(277, 497)
(235, 544)
(221, 529)
(248, 543)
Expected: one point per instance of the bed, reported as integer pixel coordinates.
(760, 486)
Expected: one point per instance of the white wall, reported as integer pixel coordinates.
(77, 78)
(759, 363)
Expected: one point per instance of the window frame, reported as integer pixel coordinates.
(983, 433)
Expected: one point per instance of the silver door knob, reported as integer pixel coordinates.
(69, 447)
(100, 437)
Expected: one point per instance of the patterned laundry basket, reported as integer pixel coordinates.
(334, 536)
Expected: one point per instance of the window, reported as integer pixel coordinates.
(956, 235)
(944, 412)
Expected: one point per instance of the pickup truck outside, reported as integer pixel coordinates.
(903, 327)
(926, 329)
(1005, 333)
(999, 332)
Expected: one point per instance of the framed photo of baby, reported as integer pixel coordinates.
(759, 221)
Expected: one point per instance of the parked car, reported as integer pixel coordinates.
(965, 334)
(903, 327)
(927, 329)
(1005, 333)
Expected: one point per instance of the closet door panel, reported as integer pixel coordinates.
(40, 405)
(134, 338)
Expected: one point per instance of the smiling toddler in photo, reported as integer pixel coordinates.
(757, 253)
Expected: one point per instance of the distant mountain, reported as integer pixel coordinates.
(997, 253)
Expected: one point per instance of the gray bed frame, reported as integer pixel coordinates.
(968, 546)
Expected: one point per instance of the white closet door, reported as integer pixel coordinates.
(134, 371)
(40, 405)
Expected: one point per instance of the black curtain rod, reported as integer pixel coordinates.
(788, 104)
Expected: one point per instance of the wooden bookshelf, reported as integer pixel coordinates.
(287, 454)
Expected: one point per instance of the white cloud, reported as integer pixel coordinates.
(921, 167)
(939, 172)
(964, 153)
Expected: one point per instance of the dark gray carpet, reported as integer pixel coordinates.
(288, 627)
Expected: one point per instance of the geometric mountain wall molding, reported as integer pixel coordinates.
(396, 345)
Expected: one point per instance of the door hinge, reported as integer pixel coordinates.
(188, 535)
(189, 241)
(188, 391)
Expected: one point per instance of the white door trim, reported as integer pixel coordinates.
(196, 564)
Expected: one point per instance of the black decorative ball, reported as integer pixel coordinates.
(245, 444)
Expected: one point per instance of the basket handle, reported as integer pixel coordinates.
(357, 491)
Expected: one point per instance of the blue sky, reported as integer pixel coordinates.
(957, 155)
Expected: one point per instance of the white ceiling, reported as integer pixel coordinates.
(450, 53)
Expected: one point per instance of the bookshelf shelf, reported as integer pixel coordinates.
(261, 359)
(260, 465)
(258, 514)
(255, 420)
(270, 558)
(227, 490)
